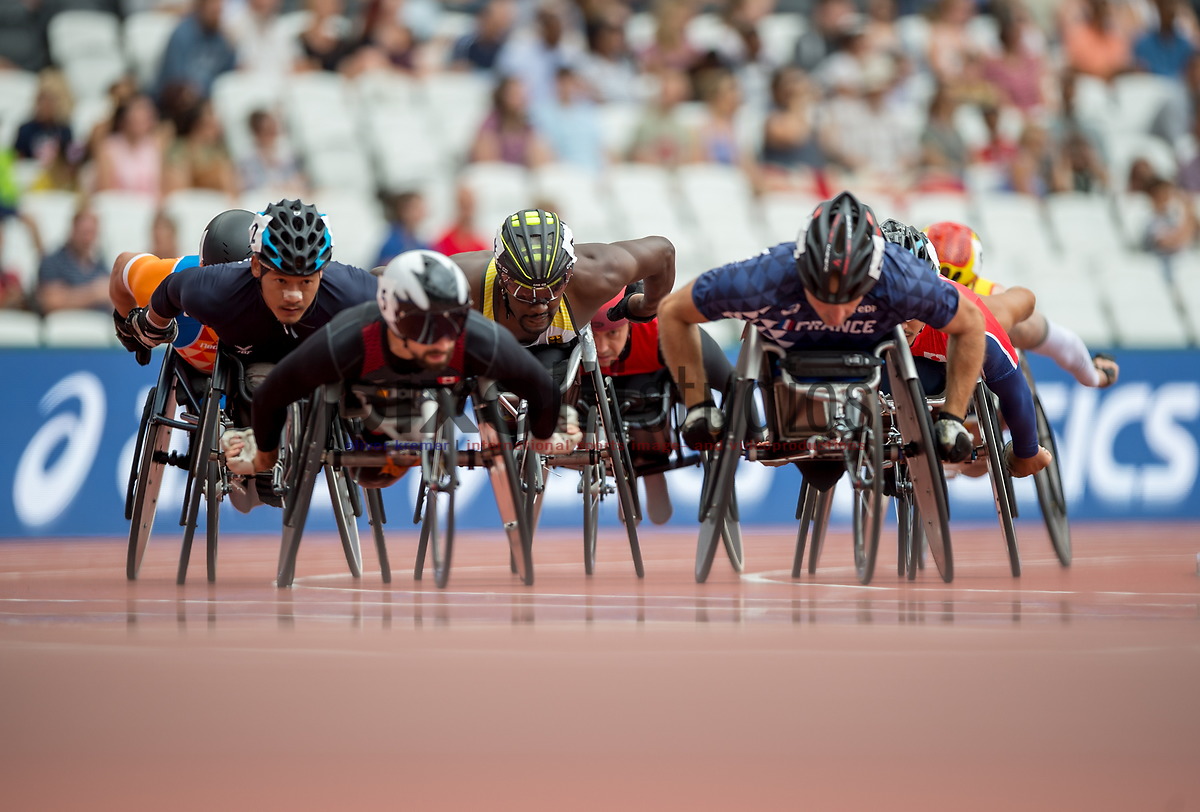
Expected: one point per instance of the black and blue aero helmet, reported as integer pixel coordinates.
(226, 238)
(839, 250)
(291, 237)
(912, 240)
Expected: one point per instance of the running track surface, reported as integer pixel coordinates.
(1065, 689)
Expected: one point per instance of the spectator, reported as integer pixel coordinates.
(406, 211)
(263, 44)
(164, 240)
(1172, 228)
(462, 236)
(131, 158)
(271, 165)
(12, 292)
(1017, 73)
(943, 162)
(328, 41)
(1037, 169)
(865, 136)
(507, 134)
(661, 136)
(1142, 175)
(197, 159)
(197, 52)
(716, 135)
(951, 50)
(1165, 51)
(1189, 173)
(671, 49)
(478, 49)
(571, 124)
(609, 67)
(535, 56)
(1084, 165)
(46, 137)
(791, 155)
(1094, 43)
(388, 43)
(73, 277)
(823, 36)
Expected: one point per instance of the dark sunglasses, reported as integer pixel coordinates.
(429, 328)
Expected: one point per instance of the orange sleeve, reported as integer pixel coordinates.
(144, 273)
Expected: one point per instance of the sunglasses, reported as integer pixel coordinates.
(429, 328)
(532, 294)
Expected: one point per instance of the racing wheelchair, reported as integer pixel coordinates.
(825, 412)
(603, 457)
(357, 425)
(188, 401)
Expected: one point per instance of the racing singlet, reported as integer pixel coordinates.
(561, 329)
(641, 353)
(1000, 356)
(196, 343)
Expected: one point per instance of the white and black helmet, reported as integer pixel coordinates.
(424, 296)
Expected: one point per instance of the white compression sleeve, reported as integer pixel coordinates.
(1069, 352)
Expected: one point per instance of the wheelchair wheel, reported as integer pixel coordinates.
(149, 463)
(340, 497)
(300, 476)
(924, 468)
(864, 463)
(1051, 497)
(200, 458)
(824, 504)
(502, 470)
(622, 468)
(989, 425)
(812, 511)
(212, 497)
(377, 518)
(716, 494)
(591, 483)
(439, 471)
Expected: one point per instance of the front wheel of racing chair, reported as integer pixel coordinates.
(205, 473)
(496, 447)
(591, 483)
(439, 481)
(812, 512)
(919, 453)
(1048, 481)
(987, 414)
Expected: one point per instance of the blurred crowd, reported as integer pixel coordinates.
(884, 97)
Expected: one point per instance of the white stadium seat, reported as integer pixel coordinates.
(19, 328)
(126, 220)
(146, 34)
(78, 328)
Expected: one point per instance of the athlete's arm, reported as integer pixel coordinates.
(679, 339)
(310, 365)
(494, 352)
(654, 264)
(964, 352)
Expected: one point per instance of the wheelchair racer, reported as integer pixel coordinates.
(420, 330)
(839, 285)
(1001, 369)
(960, 253)
(135, 276)
(262, 308)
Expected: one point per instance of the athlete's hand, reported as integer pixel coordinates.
(624, 309)
(565, 437)
(703, 426)
(240, 449)
(1026, 466)
(147, 334)
(128, 341)
(953, 441)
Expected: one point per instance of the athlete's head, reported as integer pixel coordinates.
(960, 253)
(226, 238)
(610, 335)
(839, 256)
(535, 252)
(290, 246)
(911, 240)
(424, 299)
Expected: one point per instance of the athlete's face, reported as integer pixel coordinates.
(610, 343)
(287, 297)
(913, 328)
(433, 356)
(833, 314)
(534, 317)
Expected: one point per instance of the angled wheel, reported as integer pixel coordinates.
(439, 461)
(200, 457)
(212, 497)
(343, 514)
(149, 463)
(989, 425)
(716, 496)
(300, 475)
(1049, 484)
(591, 484)
(502, 471)
(622, 468)
(820, 525)
(377, 518)
(864, 463)
(920, 456)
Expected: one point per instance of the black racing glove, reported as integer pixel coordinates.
(954, 442)
(703, 426)
(125, 336)
(621, 309)
(146, 334)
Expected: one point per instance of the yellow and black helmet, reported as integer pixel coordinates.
(535, 248)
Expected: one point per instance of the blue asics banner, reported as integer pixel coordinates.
(70, 421)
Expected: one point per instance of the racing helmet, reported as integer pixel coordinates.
(839, 250)
(534, 249)
(226, 238)
(424, 297)
(291, 237)
(959, 250)
(912, 240)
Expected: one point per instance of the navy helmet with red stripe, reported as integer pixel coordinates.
(839, 251)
